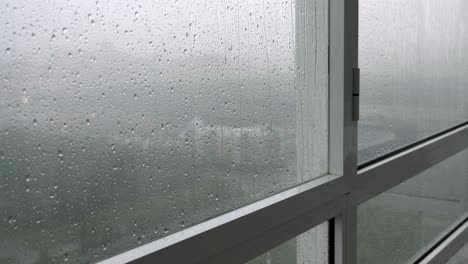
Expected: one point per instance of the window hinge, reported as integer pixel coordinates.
(356, 88)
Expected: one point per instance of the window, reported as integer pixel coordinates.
(309, 247)
(398, 224)
(413, 62)
(461, 256)
(223, 131)
(124, 123)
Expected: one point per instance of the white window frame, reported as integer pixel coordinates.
(247, 232)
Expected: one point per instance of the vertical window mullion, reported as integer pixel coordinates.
(343, 129)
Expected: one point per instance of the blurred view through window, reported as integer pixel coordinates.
(124, 122)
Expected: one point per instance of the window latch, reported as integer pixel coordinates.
(356, 90)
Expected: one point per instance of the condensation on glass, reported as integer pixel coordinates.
(310, 247)
(123, 122)
(399, 224)
(413, 57)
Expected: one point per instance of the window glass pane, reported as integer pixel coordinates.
(413, 57)
(461, 257)
(396, 225)
(124, 122)
(309, 247)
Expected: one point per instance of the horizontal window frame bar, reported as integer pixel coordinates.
(388, 173)
(252, 229)
(449, 246)
(409, 146)
(278, 235)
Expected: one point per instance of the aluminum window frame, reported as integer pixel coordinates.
(244, 233)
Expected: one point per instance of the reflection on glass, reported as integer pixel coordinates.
(396, 225)
(413, 57)
(307, 248)
(121, 123)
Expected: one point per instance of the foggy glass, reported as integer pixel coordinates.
(413, 57)
(395, 226)
(122, 122)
